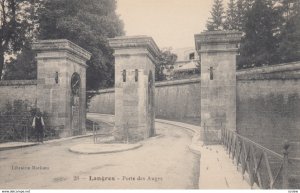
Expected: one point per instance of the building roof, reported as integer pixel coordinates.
(183, 54)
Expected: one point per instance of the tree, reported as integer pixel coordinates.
(14, 27)
(23, 66)
(216, 22)
(88, 23)
(259, 46)
(231, 19)
(289, 8)
(241, 9)
(166, 59)
(240, 15)
(290, 32)
(248, 5)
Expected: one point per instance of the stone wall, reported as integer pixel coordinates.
(268, 106)
(178, 99)
(103, 102)
(17, 90)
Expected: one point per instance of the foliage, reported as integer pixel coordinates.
(88, 23)
(270, 29)
(16, 120)
(216, 22)
(259, 44)
(236, 14)
(231, 16)
(289, 47)
(240, 15)
(23, 67)
(15, 27)
(13, 120)
(166, 59)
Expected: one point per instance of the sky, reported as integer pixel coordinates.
(171, 23)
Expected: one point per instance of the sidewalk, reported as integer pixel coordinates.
(192, 128)
(16, 145)
(92, 148)
(217, 170)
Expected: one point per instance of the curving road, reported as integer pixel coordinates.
(162, 162)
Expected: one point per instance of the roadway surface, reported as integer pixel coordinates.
(162, 162)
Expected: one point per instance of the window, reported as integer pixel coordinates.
(211, 73)
(136, 77)
(56, 77)
(124, 75)
(192, 56)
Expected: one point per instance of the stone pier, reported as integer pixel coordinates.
(135, 60)
(61, 84)
(218, 50)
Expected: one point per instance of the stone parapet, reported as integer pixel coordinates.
(102, 91)
(177, 82)
(281, 71)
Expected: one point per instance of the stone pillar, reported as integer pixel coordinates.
(135, 59)
(218, 50)
(61, 88)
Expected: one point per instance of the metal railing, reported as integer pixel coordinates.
(25, 133)
(16, 132)
(52, 132)
(98, 130)
(105, 129)
(266, 168)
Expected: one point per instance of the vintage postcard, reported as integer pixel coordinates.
(149, 94)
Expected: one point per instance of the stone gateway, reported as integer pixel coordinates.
(135, 59)
(61, 84)
(218, 50)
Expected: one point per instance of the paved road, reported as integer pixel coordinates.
(162, 162)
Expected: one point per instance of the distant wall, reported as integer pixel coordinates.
(17, 90)
(268, 106)
(176, 99)
(103, 102)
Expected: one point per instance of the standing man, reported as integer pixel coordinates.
(38, 124)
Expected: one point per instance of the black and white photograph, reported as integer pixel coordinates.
(149, 95)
